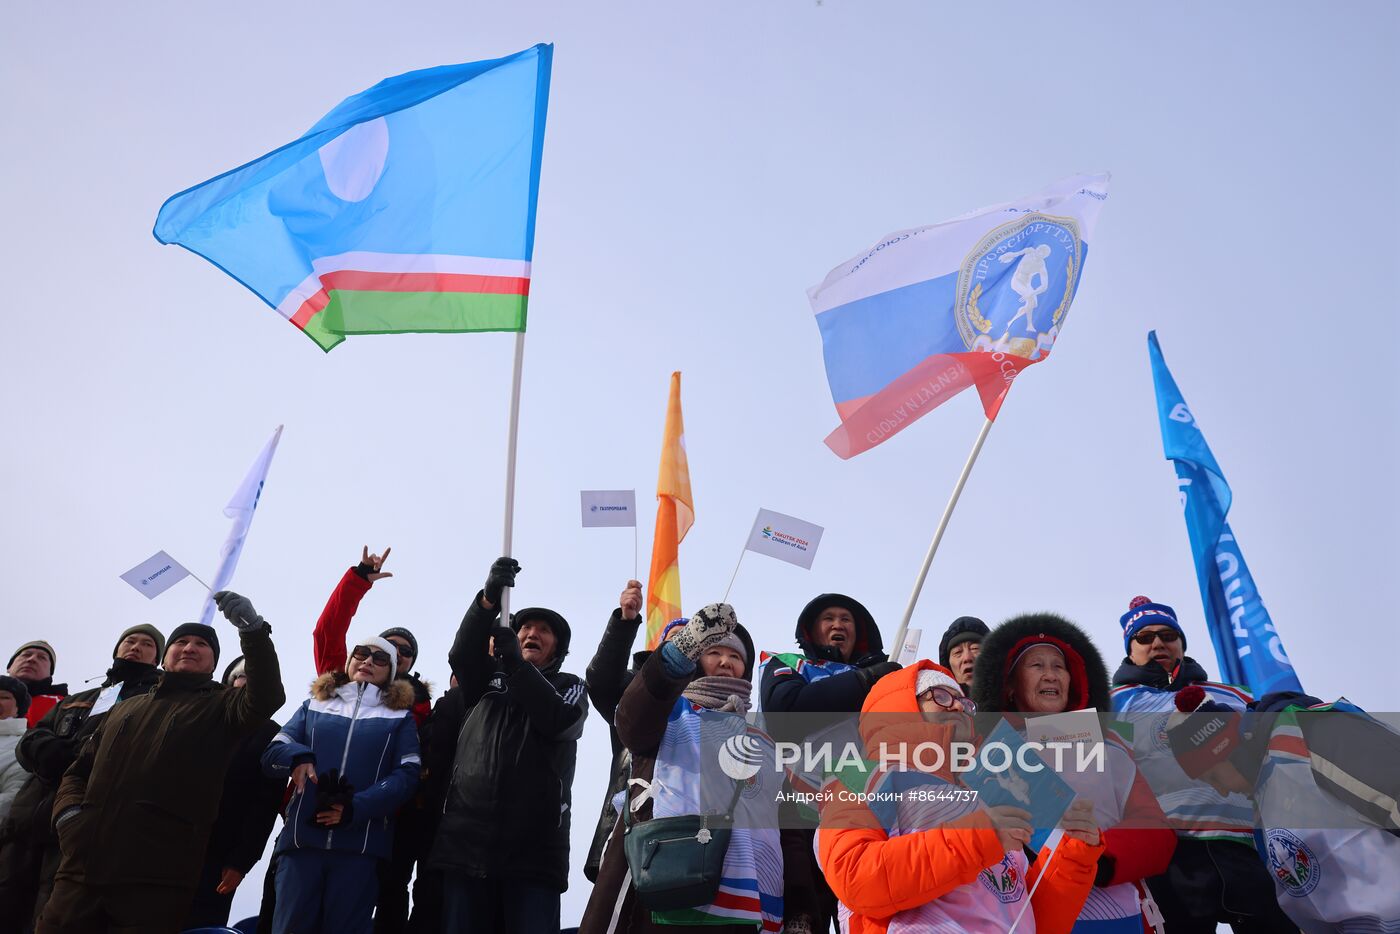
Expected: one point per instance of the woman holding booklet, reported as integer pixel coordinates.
(1040, 664)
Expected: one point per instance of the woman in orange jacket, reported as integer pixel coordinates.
(914, 851)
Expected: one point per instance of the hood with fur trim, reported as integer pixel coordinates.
(397, 696)
(868, 641)
(991, 679)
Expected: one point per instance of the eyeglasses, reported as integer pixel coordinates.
(946, 698)
(378, 656)
(1168, 636)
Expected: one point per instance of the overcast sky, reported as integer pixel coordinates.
(704, 164)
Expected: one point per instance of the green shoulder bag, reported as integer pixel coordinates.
(676, 862)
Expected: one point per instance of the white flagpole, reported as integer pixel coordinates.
(1030, 895)
(511, 438)
(735, 575)
(938, 535)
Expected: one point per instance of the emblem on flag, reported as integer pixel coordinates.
(1043, 256)
(1292, 862)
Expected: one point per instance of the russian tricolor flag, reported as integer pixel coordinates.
(926, 313)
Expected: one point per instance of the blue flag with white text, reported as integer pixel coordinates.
(1247, 646)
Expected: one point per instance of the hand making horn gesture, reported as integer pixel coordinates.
(370, 565)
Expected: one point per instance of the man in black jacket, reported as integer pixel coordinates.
(503, 841)
(437, 743)
(29, 853)
(842, 657)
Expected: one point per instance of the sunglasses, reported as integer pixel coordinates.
(378, 656)
(946, 698)
(1168, 636)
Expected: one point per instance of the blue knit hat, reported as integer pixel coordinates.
(1143, 612)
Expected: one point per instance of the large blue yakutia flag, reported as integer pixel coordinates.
(1246, 644)
(409, 207)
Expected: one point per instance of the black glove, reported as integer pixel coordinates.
(501, 576)
(870, 674)
(870, 658)
(238, 609)
(332, 790)
(506, 648)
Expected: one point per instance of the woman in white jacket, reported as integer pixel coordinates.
(14, 704)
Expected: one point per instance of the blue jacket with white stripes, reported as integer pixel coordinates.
(368, 735)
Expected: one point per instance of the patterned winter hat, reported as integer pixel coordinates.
(1142, 612)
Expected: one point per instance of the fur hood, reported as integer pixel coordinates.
(1088, 675)
(397, 696)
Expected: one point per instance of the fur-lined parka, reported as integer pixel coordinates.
(991, 679)
(1137, 840)
(366, 736)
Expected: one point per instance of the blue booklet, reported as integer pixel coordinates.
(1037, 790)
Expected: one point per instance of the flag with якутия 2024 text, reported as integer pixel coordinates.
(410, 207)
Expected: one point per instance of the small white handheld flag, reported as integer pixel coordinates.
(156, 575)
(784, 538)
(608, 509)
(909, 651)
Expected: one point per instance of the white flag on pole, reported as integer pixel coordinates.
(909, 651)
(156, 575)
(785, 538)
(240, 509)
(608, 509)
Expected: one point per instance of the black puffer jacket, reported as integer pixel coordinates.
(1153, 675)
(509, 800)
(789, 692)
(1088, 677)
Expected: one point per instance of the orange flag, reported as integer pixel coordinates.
(675, 513)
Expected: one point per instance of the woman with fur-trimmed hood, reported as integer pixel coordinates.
(1038, 664)
(351, 751)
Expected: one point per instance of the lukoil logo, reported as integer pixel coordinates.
(741, 757)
